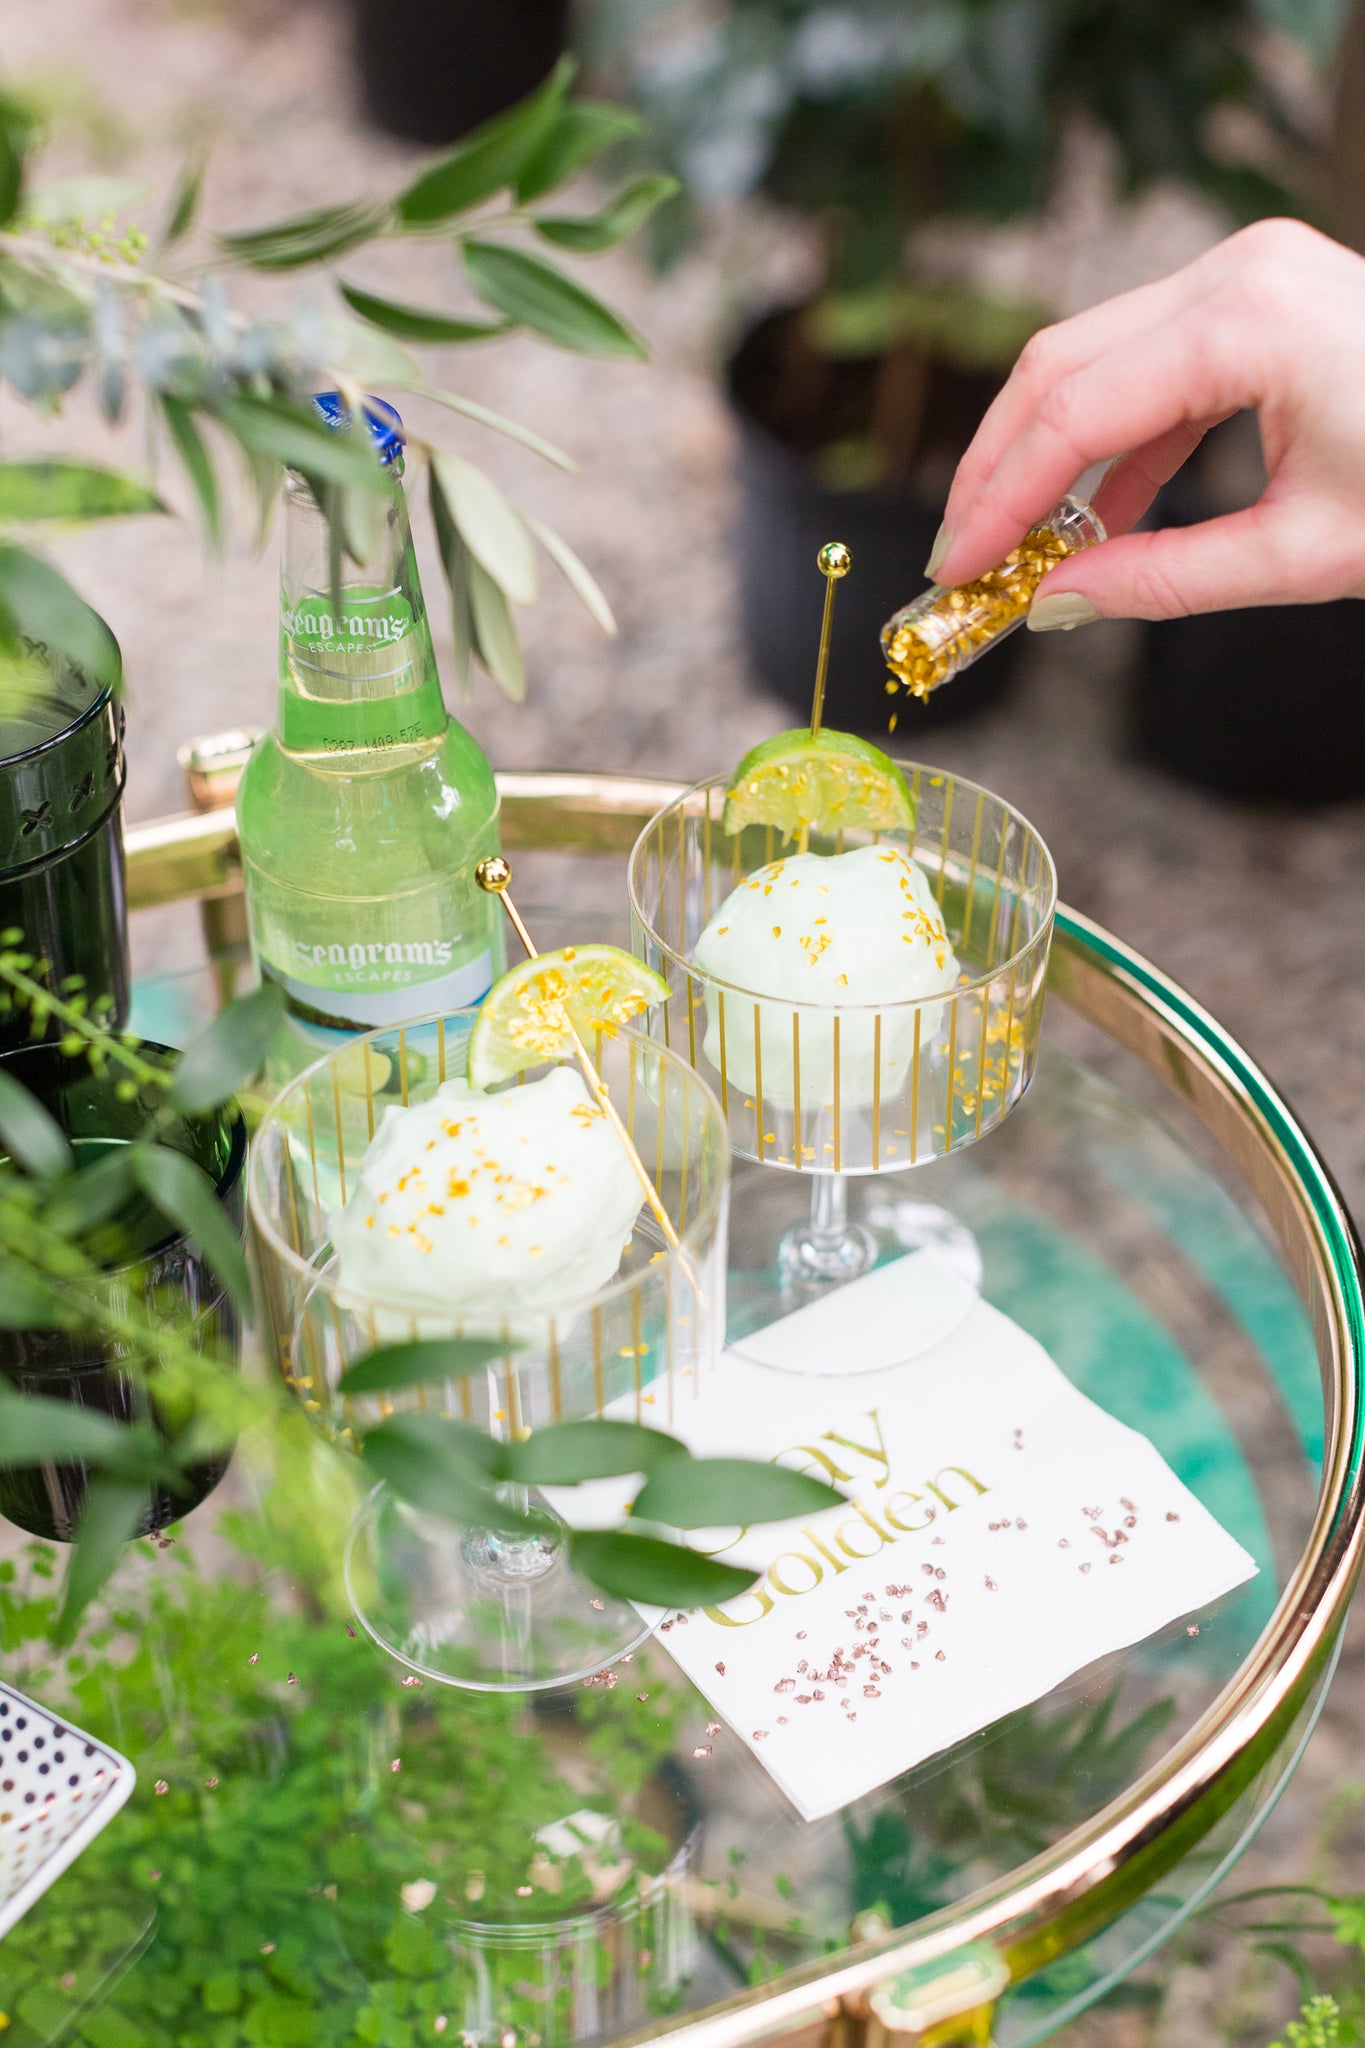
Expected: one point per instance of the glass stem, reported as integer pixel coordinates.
(829, 1207)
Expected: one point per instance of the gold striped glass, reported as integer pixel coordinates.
(637, 1347)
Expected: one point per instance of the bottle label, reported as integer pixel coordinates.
(353, 982)
(368, 650)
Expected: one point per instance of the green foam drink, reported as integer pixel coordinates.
(365, 811)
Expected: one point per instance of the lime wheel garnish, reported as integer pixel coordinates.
(830, 783)
(530, 1014)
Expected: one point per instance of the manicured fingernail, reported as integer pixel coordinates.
(1060, 611)
(943, 540)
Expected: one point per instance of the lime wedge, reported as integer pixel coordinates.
(526, 1014)
(827, 784)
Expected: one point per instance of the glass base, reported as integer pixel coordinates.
(835, 1275)
(479, 1610)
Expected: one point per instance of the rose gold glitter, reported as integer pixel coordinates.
(410, 1681)
(1172, 1518)
(350, 1631)
(1123, 1503)
(800, 1635)
(396, 1765)
(760, 1735)
(524, 1891)
(642, 1697)
(292, 1680)
(211, 1784)
(817, 1694)
(721, 1669)
(928, 1570)
(991, 1586)
(155, 1876)
(803, 1699)
(160, 1787)
(702, 1750)
(598, 1604)
(1193, 1629)
(267, 1948)
(781, 1720)
(940, 1656)
(871, 1692)
(1085, 1567)
(439, 2024)
(645, 1958)
(1064, 1543)
(785, 1685)
(256, 1653)
(713, 1727)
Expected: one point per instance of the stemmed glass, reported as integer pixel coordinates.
(854, 1093)
(486, 1608)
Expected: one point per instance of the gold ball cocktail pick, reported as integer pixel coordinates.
(834, 562)
(494, 876)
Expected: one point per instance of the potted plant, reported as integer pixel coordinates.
(899, 133)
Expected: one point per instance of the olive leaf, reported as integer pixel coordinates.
(660, 1574)
(589, 234)
(37, 1431)
(575, 573)
(113, 1511)
(488, 159)
(714, 1492)
(444, 1467)
(183, 204)
(37, 602)
(307, 237)
(491, 529)
(296, 435)
(495, 633)
(534, 294)
(192, 449)
(30, 1133)
(417, 323)
(581, 131)
(228, 1053)
(92, 1195)
(28, 1298)
(454, 561)
(472, 410)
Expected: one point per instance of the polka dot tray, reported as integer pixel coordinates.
(58, 1788)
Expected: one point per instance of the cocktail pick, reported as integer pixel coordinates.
(494, 875)
(833, 561)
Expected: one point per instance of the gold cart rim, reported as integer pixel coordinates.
(962, 990)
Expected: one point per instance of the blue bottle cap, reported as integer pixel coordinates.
(386, 428)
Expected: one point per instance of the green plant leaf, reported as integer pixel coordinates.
(444, 1467)
(576, 573)
(297, 436)
(495, 632)
(30, 1133)
(422, 1363)
(490, 528)
(28, 1300)
(534, 294)
(565, 1453)
(229, 1052)
(92, 1194)
(192, 449)
(38, 602)
(183, 205)
(454, 561)
(416, 323)
(307, 237)
(710, 1493)
(657, 1573)
(17, 124)
(487, 159)
(472, 410)
(588, 234)
(37, 1431)
(582, 130)
(185, 1196)
(70, 490)
(113, 1509)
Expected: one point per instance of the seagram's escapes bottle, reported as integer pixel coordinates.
(363, 813)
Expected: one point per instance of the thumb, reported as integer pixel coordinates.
(1245, 558)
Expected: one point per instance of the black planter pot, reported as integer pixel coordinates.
(430, 70)
(786, 515)
(1266, 704)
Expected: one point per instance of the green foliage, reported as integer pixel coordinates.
(80, 301)
(1319, 2026)
(872, 118)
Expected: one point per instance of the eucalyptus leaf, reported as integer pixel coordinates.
(28, 1299)
(307, 237)
(37, 1431)
(30, 1133)
(416, 323)
(495, 633)
(39, 603)
(229, 1052)
(710, 1493)
(488, 159)
(659, 1574)
(422, 1363)
(566, 1453)
(583, 129)
(588, 234)
(193, 451)
(491, 529)
(185, 1196)
(444, 1467)
(112, 1515)
(534, 294)
(575, 572)
(70, 490)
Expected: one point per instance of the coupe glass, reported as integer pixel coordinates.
(476, 1607)
(849, 1098)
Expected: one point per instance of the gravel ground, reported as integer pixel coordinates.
(1262, 916)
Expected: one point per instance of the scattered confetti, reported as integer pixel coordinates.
(351, 1632)
(598, 1604)
(721, 1669)
(160, 1787)
(524, 1891)
(211, 1784)
(396, 1766)
(67, 1980)
(254, 1658)
(1172, 1518)
(418, 1895)
(292, 1680)
(644, 1958)
(439, 2024)
(702, 1749)
(155, 1876)
(1193, 1629)
(760, 1735)
(991, 1586)
(267, 1948)
(713, 1727)
(410, 1681)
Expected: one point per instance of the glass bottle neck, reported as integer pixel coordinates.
(357, 666)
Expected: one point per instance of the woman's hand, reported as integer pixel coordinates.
(1273, 318)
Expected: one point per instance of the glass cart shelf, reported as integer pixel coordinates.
(1156, 1217)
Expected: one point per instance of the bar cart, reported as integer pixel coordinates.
(1156, 1217)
